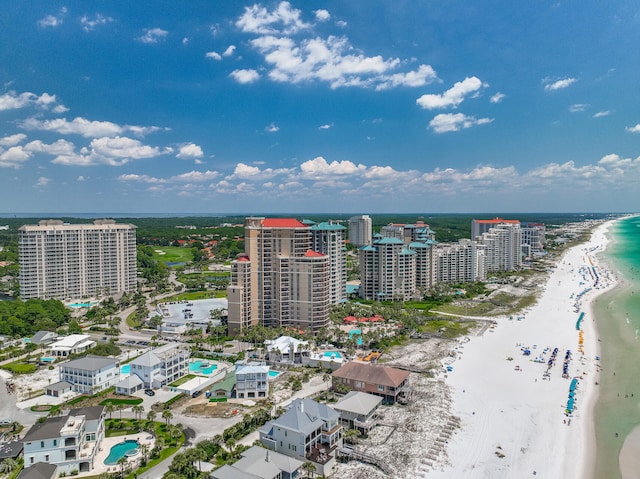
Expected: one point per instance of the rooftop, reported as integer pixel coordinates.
(282, 223)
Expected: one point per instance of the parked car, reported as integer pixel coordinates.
(195, 394)
(149, 392)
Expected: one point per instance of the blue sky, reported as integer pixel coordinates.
(302, 107)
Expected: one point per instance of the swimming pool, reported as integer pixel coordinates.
(356, 332)
(274, 374)
(332, 354)
(125, 369)
(202, 367)
(122, 449)
(45, 359)
(81, 305)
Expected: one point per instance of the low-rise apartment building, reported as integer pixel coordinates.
(90, 374)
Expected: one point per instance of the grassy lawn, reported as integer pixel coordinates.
(172, 254)
(191, 295)
(183, 380)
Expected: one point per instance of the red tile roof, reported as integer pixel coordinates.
(282, 223)
(313, 254)
(497, 221)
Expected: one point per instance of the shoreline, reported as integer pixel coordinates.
(512, 405)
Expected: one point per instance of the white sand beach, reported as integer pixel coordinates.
(514, 421)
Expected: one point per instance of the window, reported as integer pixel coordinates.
(31, 460)
(41, 443)
(46, 458)
(55, 442)
(380, 387)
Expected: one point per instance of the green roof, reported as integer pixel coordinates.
(226, 384)
(328, 226)
(389, 241)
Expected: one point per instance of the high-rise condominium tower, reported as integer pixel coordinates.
(360, 230)
(280, 280)
(71, 261)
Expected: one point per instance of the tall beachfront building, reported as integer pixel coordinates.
(329, 238)
(360, 228)
(387, 270)
(409, 233)
(503, 247)
(482, 226)
(72, 261)
(463, 261)
(280, 280)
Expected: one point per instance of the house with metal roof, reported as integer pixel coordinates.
(72, 344)
(391, 384)
(307, 431)
(70, 442)
(90, 374)
(260, 463)
(357, 410)
(44, 337)
(129, 385)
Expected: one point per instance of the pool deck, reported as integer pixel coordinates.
(105, 447)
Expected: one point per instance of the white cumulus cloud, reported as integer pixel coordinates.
(558, 84)
(271, 128)
(283, 19)
(322, 15)
(153, 35)
(13, 101)
(633, 129)
(84, 127)
(229, 51)
(245, 76)
(12, 140)
(452, 97)
(213, 55)
(497, 98)
(42, 182)
(448, 122)
(53, 21)
(90, 23)
(600, 114)
(190, 151)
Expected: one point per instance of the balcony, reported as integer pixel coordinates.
(321, 453)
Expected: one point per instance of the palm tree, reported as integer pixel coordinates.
(122, 462)
(151, 415)
(230, 443)
(309, 468)
(144, 450)
(8, 465)
(109, 408)
(167, 416)
(138, 409)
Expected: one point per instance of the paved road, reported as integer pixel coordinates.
(9, 410)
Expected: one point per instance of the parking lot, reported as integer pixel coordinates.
(196, 312)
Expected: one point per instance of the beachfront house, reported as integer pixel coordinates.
(260, 463)
(72, 344)
(90, 374)
(286, 349)
(391, 384)
(162, 366)
(307, 431)
(357, 410)
(252, 380)
(70, 442)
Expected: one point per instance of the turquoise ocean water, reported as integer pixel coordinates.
(618, 318)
